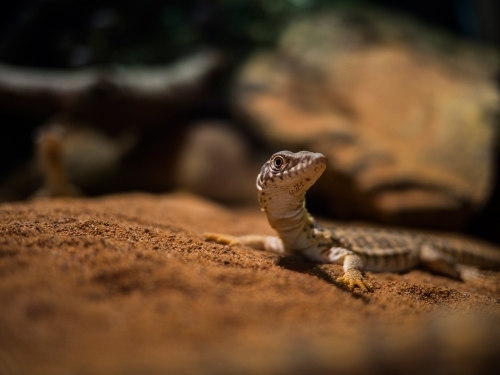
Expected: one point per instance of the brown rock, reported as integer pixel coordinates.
(216, 162)
(405, 115)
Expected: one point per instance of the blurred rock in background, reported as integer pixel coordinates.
(406, 115)
(217, 163)
(104, 113)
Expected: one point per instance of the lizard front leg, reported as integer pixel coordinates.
(353, 268)
(272, 244)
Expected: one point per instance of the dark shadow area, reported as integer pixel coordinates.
(324, 272)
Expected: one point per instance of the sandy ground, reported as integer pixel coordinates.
(126, 285)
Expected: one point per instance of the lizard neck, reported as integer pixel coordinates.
(295, 226)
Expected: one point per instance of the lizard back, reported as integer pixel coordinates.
(382, 250)
(395, 250)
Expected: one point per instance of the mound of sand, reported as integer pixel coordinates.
(126, 285)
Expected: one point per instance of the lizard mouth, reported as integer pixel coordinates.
(308, 170)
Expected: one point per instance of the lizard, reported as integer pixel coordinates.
(282, 185)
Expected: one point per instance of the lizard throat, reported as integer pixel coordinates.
(295, 226)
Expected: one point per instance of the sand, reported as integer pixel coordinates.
(125, 285)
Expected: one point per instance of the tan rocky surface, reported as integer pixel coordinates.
(405, 115)
(125, 285)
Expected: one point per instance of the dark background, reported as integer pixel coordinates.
(62, 33)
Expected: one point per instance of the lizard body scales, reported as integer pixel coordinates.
(282, 184)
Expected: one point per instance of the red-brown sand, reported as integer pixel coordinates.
(126, 285)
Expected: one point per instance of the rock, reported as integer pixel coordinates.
(112, 98)
(405, 115)
(123, 126)
(216, 162)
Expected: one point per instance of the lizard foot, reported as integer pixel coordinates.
(352, 279)
(223, 239)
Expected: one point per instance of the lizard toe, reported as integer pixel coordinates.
(351, 283)
(222, 239)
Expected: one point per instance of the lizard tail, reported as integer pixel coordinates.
(475, 253)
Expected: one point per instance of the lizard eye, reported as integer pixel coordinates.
(278, 163)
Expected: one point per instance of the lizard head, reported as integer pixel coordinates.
(289, 175)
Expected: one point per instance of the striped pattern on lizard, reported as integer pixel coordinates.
(282, 184)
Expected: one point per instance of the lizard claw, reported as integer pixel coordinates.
(351, 280)
(222, 239)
